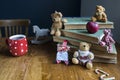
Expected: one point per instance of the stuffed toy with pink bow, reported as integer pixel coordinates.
(62, 53)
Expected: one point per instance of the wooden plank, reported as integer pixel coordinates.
(13, 30)
(20, 27)
(17, 31)
(9, 30)
(6, 32)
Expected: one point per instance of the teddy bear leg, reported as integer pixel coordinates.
(104, 20)
(75, 61)
(58, 33)
(89, 65)
(102, 43)
(109, 48)
(93, 19)
(52, 32)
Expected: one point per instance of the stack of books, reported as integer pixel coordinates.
(75, 31)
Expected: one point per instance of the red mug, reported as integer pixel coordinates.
(18, 45)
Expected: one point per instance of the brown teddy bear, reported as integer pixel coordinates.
(57, 23)
(83, 56)
(100, 14)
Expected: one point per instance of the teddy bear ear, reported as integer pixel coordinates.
(97, 5)
(56, 12)
(109, 30)
(52, 14)
(90, 44)
(60, 14)
(103, 8)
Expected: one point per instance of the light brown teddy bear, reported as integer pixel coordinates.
(100, 14)
(57, 23)
(83, 56)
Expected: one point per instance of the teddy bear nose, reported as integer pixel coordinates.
(84, 46)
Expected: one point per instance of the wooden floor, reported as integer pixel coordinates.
(39, 64)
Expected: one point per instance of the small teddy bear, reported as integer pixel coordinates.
(83, 56)
(107, 40)
(100, 14)
(57, 23)
(62, 53)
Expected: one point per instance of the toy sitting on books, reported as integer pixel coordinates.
(100, 14)
(107, 40)
(62, 52)
(76, 31)
(57, 23)
(83, 56)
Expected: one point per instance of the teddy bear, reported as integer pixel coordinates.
(83, 56)
(57, 23)
(100, 14)
(107, 40)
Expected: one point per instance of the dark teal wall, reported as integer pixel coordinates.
(38, 11)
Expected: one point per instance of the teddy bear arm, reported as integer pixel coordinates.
(91, 55)
(104, 15)
(111, 40)
(75, 54)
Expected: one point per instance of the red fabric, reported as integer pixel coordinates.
(84, 57)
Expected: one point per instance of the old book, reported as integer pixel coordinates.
(98, 54)
(102, 60)
(83, 35)
(80, 23)
(76, 42)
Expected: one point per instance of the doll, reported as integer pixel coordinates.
(62, 53)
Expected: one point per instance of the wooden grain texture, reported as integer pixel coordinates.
(39, 64)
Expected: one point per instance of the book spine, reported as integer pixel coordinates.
(83, 26)
(80, 37)
(98, 54)
(76, 43)
(102, 60)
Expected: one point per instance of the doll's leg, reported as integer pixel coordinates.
(66, 62)
(58, 61)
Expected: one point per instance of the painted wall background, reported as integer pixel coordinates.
(38, 11)
(112, 11)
